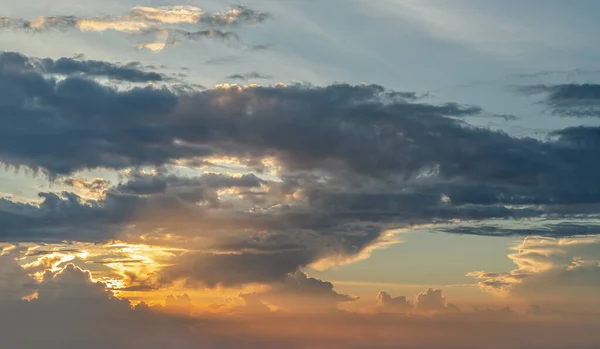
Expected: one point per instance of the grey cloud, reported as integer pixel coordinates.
(248, 76)
(67, 216)
(558, 229)
(68, 66)
(577, 100)
(299, 293)
(90, 316)
(353, 161)
(15, 283)
(234, 269)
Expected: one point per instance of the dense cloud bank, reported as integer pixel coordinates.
(324, 172)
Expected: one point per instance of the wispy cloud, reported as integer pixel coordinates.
(158, 21)
(248, 76)
(550, 269)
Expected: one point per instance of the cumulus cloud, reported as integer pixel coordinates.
(430, 300)
(385, 302)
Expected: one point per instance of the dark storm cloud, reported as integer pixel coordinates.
(577, 100)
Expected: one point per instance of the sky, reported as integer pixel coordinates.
(308, 174)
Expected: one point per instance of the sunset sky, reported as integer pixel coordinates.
(300, 174)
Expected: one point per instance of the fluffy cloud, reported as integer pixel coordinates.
(385, 302)
(429, 302)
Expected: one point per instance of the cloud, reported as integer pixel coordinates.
(566, 270)
(194, 15)
(71, 310)
(346, 166)
(248, 76)
(174, 37)
(385, 302)
(93, 317)
(170, 25)
(96, 186)
(575, 100)
(549, 227)
(15, 63)
(299, 293)
(430, 300)
(15, 283)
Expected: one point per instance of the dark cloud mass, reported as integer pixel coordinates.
(577, 100)
(351, 162)
(15, 63)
